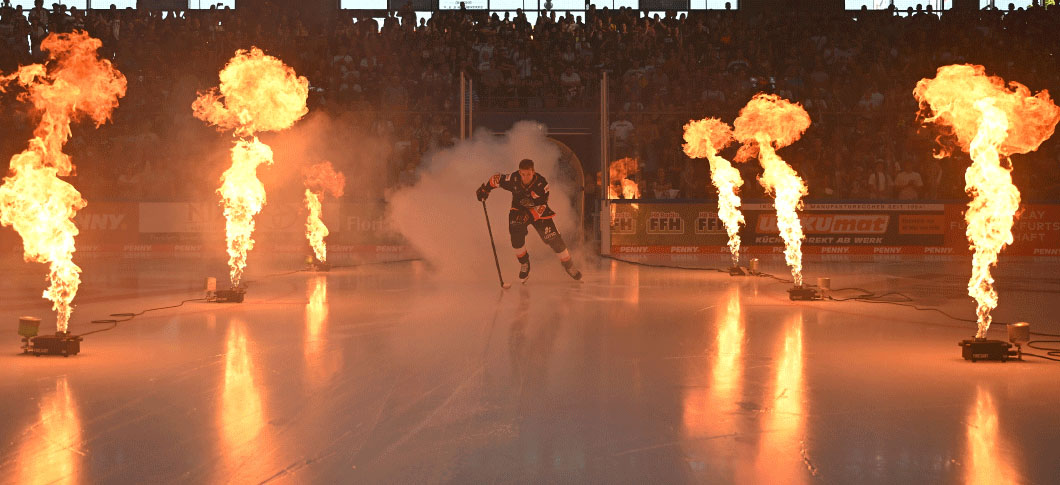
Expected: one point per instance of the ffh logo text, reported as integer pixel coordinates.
(624, 223)
(665, 223)
(709, 223)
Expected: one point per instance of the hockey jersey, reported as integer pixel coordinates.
(532, 198)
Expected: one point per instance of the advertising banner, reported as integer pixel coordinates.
(192, 228)
(641, 227)
(841, 228)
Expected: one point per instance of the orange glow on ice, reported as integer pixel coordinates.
(242, 412)
(33, 199)
(320, 365)
(51, 449)
(782, 455)
(727, 374)
(705, 408)
(990, 121)
(988, 461)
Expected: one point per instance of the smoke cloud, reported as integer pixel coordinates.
(443, 221)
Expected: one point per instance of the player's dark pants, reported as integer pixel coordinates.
(517, 223)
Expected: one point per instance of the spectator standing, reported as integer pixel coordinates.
(932, 177)
(908, 182)
(662, 187)
(880, 183)
(621, 135)
(38, 21)
(571, 82)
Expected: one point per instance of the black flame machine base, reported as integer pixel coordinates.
(983, 349)
(318, 266)
(234, 295)
(61, 343)
(804, 293)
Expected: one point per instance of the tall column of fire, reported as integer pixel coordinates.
(990, 121)
(703, 139)
(39, 205)
(768, 123)
(257, 93)
(619, 172)
(320, 178)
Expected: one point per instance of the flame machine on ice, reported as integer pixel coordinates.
(703, 139)
(257, 93)
(990, 120)
(767, 123)
(320, 178)
(40, 206)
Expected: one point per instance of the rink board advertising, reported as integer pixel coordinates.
(193, 228)
(906, 228)
(647, 227)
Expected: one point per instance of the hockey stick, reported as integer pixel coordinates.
(494, 245)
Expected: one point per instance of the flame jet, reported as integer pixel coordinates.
(617, 173)
(703, 139)
(39, 205)
(768, 123)
(619, 170)
(320, 178)
(257, 93)
(990, 121)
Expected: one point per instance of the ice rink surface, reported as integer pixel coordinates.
(389, 374)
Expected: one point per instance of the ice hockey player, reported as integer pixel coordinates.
(529, 207)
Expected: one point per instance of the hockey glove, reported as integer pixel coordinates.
(483, 192)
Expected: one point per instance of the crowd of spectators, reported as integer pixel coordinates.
(397, 80)
(853, 74)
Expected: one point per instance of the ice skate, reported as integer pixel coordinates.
(524, 267)
(568, 265)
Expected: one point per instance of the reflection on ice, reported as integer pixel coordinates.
(631, 285)
(702, 407)
(373, 375)
(727, 374)
(781, 458)
(242, 415)
(316, 317)
(50, 448)
(320, 365)
(988, 460)
(711, 417)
